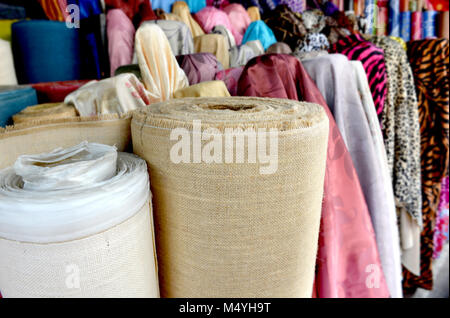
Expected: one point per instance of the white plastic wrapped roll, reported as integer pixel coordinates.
(77, 222)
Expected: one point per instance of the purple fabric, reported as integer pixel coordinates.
(295, 5)
(231, 78)
(199, 67)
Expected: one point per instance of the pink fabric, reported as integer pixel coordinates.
(231, 78)
(239, 17)
(120, 32)
(441, 233)
(209, 17)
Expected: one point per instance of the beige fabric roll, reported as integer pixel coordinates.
(216, 44)
(226, 229)
(37, 137)
(204, 89)
(7, 70)
(254, 14)
(48, 111)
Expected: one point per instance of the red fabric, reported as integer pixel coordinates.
(54, 92)
(348, 256)
(136, 10)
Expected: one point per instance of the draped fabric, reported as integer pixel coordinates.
(441, 233)
(239, 18)
(239, 56)
(429, 61)
(53, 92)
(196, 5)
(120, 31)
(263, 5)
(163, 15)
(230, 77)
(253, 13)
(136, 10)
(55, 9)
(220, 29)
(279, 47)
(295, 5)
(258, 30)
(335, 78)
(313, 42)
(215, 44)
(372, 57)
(199, 67)
(178, 34)
(286, 25)
(347, 246)
(181, 9)
(159, 68)
(209, 17)
(166, 5)
(204, 89)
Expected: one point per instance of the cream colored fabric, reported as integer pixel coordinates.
(46, 111)
(43, 136)
(239, 56)
(181, 9)
(254, 14)
(216, 44)
(87, 235)
(160, 71)
(204, 89)
(115, 95)
(7, 71)
(225, 229)
(410, 239)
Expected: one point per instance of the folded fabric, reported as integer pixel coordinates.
(12, 12)
(258, 30)
(161, 74)
(7, 71)
(178, 34)
(44, 112)
(115, 95)
(53, 92)
(215, 44)
(204, 89)
(253, 13)
(181, 9)
(209, 17)
(220, 29)
(37, 58)
(230, 77)
(13, 100)
(336, 80)
(199, 67)
(120, 32)
(279, 47)
(83, 209)
(239, 56)
(344, 211)
(136, 10)
(225, 228)
(239, 18)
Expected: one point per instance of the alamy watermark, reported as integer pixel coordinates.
(73, 17)
(226, 147)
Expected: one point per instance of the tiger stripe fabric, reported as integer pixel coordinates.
(355, 47)
(429, 61)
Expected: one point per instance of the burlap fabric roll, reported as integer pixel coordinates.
(77, 222)
(46, 135)
(235, 227)
(48, 111)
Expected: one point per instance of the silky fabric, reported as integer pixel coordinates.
(204, 89)
(120, 32)
(159, 68)
(239, 18)
(230, 77)
(136, 10)
(55, 9)
(347, 242)
(215, 44)
(220, 29)
(7, 71)
(258, 30)
(429, 61)
(279, 47)
(209, 17)
(115, 95)
(199, 67)
(44, 112)
(335, 78)
(196, 5)
(355, 47)
(178, 34)
(286, 25)
(253, 13)
(13, 100)
(53, 92)
(38, 59)
(166, 5)
(441, 232)
(181, 9)
(239, 56)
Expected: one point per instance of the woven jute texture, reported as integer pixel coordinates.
(118, 262)
(225, 229)
(46, 135)
(48, 111)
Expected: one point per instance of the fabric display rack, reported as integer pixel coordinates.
(118, 179)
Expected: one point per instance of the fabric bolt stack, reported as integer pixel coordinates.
(43, 112)
(213, 218)
(102, 232)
